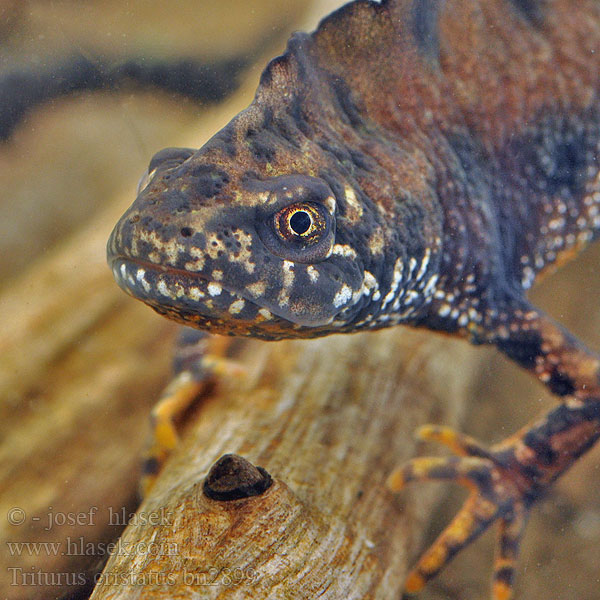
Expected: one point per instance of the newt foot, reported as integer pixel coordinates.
(495, 496)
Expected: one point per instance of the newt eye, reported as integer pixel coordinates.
(304, 222)
(303, 232)
(297, 222)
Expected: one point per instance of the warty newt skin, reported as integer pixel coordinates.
(410, 162)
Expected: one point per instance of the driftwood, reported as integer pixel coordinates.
(328, 419)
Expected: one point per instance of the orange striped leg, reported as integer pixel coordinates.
(509, 540)
(459, 443)
(198, 361)
(177, 397)
(493, 496)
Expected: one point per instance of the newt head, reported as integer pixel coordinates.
(273, 228)
(226, 254)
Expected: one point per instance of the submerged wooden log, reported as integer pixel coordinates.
(328, 419)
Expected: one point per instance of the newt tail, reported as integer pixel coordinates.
(425, 174)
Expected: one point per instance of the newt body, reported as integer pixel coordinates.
(425, 174)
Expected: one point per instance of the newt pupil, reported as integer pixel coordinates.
(300, 222)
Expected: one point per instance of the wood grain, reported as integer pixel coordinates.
(328, 419)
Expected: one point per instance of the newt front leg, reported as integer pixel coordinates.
(199, 360)
(508, 478)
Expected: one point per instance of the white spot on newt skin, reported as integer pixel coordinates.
(330, 204)
(444, 310)
(141, 273)
(370, 284)
(178, 290)
(265, 313)
(397, 278)
(342, 296)
(412, 265)
(196, 294)
(428, 289)
(398, 300)
(197, 264)
(424, 264)
(283, 298)
(217, 275)
(528, 277)
(237, 306)
(171, 249)
(288, 274)
(313, 274)
(257, 289)
(162, 288)
(354, 207)
(344, 250)
(214, 288)
(411, 295)
(557, 223)
(474, 315)
(376, 241)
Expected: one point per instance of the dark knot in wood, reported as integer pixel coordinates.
(233, 477)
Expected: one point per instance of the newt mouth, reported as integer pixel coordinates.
(184, 296)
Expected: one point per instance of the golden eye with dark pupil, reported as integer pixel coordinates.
(302, 222)
(303, 231)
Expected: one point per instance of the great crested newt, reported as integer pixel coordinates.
(409, 163)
